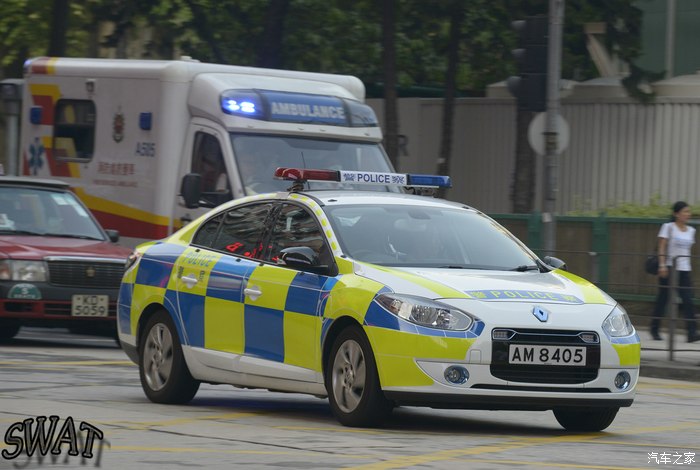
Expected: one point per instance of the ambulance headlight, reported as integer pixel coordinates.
(25, 271)
(425, 312)
(618, 323)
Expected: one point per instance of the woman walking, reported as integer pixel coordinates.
(676, 238)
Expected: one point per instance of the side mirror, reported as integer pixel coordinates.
(113, 235)
(191, 189)
(302, 258)
(555, 263)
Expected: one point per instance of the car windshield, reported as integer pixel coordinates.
(424, 236)
(258, 156)
(35, 211)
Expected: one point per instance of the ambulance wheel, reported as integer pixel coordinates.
(164, 375)
(585, 419)
(352, 381)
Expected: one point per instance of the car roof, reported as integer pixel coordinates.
(36, 182)
(340, 197)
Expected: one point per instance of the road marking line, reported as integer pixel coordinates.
(67, 363)
(549, 464)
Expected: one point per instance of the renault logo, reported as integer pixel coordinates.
(90, 272)
(540, 313)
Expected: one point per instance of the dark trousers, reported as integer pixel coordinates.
(685, 291)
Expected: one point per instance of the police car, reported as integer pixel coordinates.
(375, 300)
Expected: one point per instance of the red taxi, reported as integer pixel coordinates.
(58, 266)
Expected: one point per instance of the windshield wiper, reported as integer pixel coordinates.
(71, 235)
(525, 267)
(21, 232)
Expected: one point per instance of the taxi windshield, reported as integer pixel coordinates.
(258, 156)
(427, 236)
(34, 211)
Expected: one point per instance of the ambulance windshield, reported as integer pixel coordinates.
(257, 157)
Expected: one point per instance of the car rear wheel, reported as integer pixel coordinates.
(352, 381)
(585, 419)
(8, 330)
(164, 375)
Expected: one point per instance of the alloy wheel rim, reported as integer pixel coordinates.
(158, 357)
(348, 376)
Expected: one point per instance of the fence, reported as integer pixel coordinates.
(610, 252)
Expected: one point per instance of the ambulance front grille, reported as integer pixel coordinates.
(88, 273)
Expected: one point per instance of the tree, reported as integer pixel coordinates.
(391, 114)
(270, 51)
(456, 20)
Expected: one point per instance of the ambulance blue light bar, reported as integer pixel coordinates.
(364, 177)
(301, 108)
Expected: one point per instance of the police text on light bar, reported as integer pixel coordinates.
(364, 177)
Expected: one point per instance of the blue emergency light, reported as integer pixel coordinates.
(363, 177)
(302, 108)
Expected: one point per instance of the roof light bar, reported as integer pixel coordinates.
(364, 177)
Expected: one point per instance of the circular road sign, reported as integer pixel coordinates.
(535, 133)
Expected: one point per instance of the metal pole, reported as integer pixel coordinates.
(672, 307)
(670, 36)
(556, 20)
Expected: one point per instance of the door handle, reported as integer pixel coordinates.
(253, 292)
(189, 280)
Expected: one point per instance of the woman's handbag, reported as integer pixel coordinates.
(651, 265)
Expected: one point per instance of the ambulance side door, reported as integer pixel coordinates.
(207, 153)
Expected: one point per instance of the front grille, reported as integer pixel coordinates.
(99, 274)
(545, 374)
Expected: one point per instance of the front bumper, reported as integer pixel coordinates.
(53, 307)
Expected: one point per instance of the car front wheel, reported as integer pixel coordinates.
(352, 381)
(8, 330)
(585, 419)
(164, 375)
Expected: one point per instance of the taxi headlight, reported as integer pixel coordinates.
(618, 323)
(21, 270)
(425, 312)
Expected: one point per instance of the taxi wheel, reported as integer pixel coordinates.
(164, 375)
(352, 381)
(8, 330)
(585, 419)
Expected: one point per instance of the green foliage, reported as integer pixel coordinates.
(656, 208)
(338, 36)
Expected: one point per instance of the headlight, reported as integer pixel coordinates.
(26, 271)
(618, 323)
(425, 312)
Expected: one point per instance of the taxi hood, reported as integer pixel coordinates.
(551, 287)
(37, 248)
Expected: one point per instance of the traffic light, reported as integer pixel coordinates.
(529, 87)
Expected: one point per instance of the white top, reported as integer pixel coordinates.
(680, 244)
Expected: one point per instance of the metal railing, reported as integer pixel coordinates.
(632, 289)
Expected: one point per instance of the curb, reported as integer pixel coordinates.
(670, 370)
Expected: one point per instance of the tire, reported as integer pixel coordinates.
(585, 419)
(164, 375)
(352, 381)
(8, 330)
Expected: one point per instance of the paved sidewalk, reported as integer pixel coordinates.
(656, 358)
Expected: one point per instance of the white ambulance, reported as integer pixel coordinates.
(124, 133)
